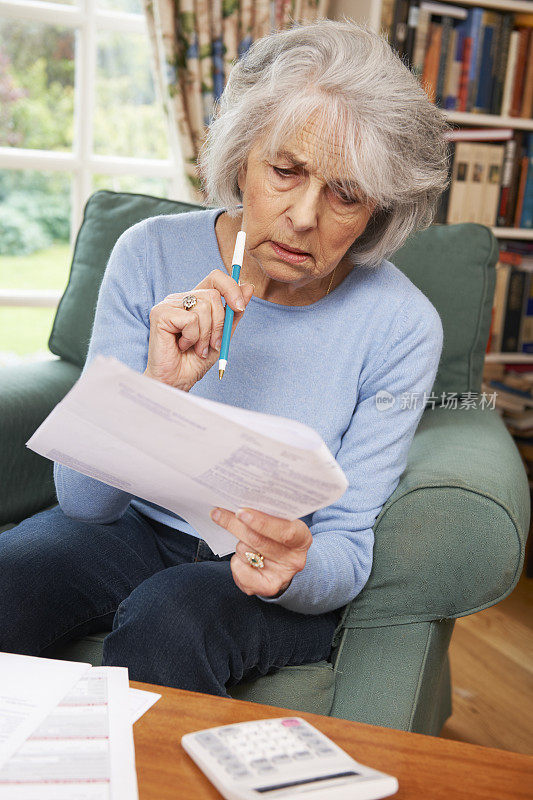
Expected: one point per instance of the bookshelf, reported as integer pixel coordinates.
(370, 11)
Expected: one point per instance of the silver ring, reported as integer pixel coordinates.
(189, 302)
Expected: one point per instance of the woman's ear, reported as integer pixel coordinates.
(241, 178)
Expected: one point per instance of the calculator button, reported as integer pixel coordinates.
(324, 750)
(229, 760)
(281, 759)
(302, 754)
(207, 738)
(228, 731)
(261, 764)
(291, 723)
(238, 773)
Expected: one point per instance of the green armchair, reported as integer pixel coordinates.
(448, 542)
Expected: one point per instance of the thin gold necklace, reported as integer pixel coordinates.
(331, 280)
(329, 287)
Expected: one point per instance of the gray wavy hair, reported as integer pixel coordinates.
(348, 78)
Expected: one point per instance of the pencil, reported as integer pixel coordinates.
(236, 264)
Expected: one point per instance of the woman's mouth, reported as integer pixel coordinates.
(289, 256)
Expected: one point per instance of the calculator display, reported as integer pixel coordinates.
(302, 781)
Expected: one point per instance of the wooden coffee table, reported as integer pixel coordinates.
(427, 768)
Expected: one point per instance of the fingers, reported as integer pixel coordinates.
(292, 534)
(203, 325)
(283, 541)
(247, 290)
(230, 290)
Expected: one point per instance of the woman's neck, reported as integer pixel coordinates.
(226, 229)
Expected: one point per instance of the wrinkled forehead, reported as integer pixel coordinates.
(317, 146)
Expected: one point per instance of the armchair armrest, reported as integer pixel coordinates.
(28, 392)
(450, 540)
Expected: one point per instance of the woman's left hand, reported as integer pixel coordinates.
(282, 543)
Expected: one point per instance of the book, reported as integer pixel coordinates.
(513, 310)
(482, 82)
(526, 216)
(510, 72)
(523, 45)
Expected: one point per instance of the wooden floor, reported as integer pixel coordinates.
(491, 658)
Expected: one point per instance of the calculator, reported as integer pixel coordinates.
(282, 758)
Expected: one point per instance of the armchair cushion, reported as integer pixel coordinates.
(28, 393)
(107, 215)
(466, 254)
(450, 539)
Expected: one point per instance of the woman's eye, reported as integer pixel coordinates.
(285, 173)
(345, 199)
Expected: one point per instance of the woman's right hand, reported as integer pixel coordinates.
(185, 344)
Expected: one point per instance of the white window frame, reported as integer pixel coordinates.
(81, 162)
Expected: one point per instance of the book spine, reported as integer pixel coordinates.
(476, 74)
(524, 162)
(503, 272)
(446, 30)
(513, 311)
(399, 26)
(508, 161)
(526, 218)
(506, 27)
(515, 178)
(451, 73)
(477, 18)
(495, 155)
(516, 101)
(444, 199)
(431, 62)
(525, 344)
(495, 57)
(484, 75)
(526, 107)
(412, 24)
(462, 99)
(510, 72)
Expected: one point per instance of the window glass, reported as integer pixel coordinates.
(36, 85)
(157, 187)
(34, 254)
(128, 120)
(132, 6)
(24, 334)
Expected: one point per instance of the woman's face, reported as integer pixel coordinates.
(287, 201)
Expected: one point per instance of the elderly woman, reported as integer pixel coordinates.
(328, 153)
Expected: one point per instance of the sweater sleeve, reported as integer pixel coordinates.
(373, 455)
(121, 329)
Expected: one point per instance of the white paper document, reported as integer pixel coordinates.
(29, 689)
(186, 453)
(83, 749)
(140, 701)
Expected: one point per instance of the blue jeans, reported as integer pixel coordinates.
(177, 617)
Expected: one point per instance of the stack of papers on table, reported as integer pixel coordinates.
(186, 453)
(66, 730)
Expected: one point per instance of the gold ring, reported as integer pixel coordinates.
(255, 560)
(189, 302)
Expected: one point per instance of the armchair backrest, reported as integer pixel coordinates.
(452, 264)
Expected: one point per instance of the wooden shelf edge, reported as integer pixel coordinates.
(488, 120)
(509, 358)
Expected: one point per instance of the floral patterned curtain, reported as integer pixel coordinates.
(194, 44)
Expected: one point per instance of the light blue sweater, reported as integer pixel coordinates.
(321, 364)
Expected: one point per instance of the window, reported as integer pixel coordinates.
(78, 112)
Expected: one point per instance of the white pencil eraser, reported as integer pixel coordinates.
(238, 253)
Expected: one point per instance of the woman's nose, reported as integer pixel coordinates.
(305, 208)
